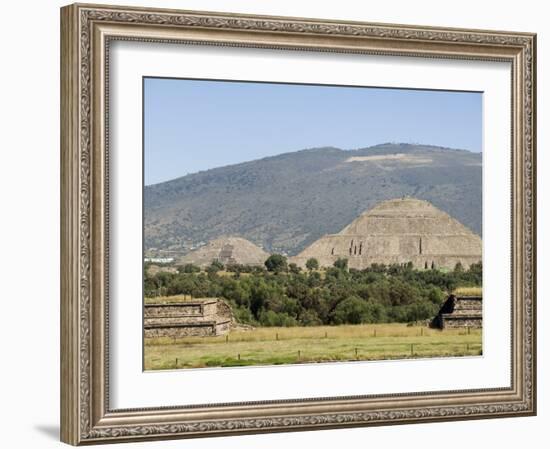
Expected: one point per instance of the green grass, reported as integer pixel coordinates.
(278, 346)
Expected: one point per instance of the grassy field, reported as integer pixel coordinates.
(285, 345)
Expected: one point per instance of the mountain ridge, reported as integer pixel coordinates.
(286, 201)
(373, 149)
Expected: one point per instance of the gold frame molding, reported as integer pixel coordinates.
(86, 31)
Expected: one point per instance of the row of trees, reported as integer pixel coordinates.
(284, 295)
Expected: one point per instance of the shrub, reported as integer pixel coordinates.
(341, 263)
(310, 318)
(189, 268)
(215, 266)
(334, 295)
(312, 264)
(352, 310)
(275, 319)
(458, 268)
(293, 268)
(276, 263)
(244, 315)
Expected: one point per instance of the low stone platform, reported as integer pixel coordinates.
(460, 312)
(199, 317)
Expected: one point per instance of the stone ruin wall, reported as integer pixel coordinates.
(400, 223)
(199, 318)
(460, 323)
(421, 250)
(460, 312)
(181, 331)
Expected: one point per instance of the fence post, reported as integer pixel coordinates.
(176, 363)
(238, 356)
(356, 353)
(277, 336)
(227, 338)
(299, 355)
(412, 349)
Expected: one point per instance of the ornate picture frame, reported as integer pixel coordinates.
(87, 31)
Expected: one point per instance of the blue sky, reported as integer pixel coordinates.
(194, 125)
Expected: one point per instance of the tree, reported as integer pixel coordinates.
(377, 268)
(352, 310)
(435, 295)
(378, 294)
(475, 273)
(189, 268)
(276, 263)
(314, 279)
(259, 295)
(341, 264)
(458, 268)
(310, 318)
(312, 264)
(216, 265)
(476, 268)
(233, 268)
(293, 268)
(271, 318)
(395, 269)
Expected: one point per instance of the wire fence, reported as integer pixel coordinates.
(388, 351)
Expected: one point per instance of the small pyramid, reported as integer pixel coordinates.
(227, 250)
(398, 231)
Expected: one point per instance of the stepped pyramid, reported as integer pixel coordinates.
(460, 311)
(229, 251)
(398, 231)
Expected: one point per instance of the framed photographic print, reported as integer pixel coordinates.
(280, 224)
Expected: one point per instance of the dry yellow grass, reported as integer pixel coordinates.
(314, 332)
(468, 291)
(168, 299)
(224, 273)
(287, 345)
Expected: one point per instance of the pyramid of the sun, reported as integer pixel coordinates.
(227, 250)
(398, 231)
